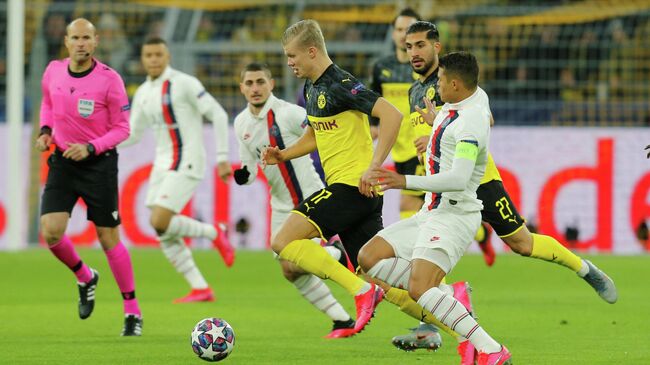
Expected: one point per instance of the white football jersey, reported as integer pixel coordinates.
(279, 123)
(469, 121)
(174, 105)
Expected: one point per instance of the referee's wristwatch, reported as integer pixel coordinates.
(91, 149)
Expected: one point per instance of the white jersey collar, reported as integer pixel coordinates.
(465, 102)
(163, 76)
(265, 109)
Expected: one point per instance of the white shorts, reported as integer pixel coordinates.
(170, 189)
(438, 236)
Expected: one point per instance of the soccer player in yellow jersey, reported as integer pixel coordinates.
(337, 107)
(392, 76)
(498, 209)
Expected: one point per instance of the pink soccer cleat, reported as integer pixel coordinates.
(222, 244)
(502, 357)
(197, 295)
(366, 304)
(342, 329)
(462, 292)
(467, 353)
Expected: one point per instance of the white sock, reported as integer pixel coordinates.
(184, 226)
(452, 313)
(394, 271)
(319, 295)
(181, 258)
(364, 289)
(584, 269)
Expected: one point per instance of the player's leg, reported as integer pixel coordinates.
(171, 193)
(99, 190)
(437, 250)
(501, 213)
(326, 212)
(483, 238)
(311, 287)
(56, 205)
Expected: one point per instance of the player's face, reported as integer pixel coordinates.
(155, 58)
(81, 41)
(256, 87)
(446, 87)
(298, 58)
(422, 52)
(399, 31)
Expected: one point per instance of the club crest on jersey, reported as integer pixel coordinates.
(431, 92)
(321, 101)
(85, 107)
(275, 131)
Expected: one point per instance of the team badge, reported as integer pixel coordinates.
(321, 101)
(85, 107)
(431, 93)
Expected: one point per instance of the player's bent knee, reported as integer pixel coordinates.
(52, 230)
(374, 251)
(521, 243)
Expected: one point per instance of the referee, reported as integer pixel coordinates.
(85, 114)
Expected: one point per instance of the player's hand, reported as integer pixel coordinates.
(421, 144)
(242, 175)
(365, 184)
(648, 149)
(386, 179)
(224, 170)
(43, 142)
(76, 151)
(271, 156)
(431, 112)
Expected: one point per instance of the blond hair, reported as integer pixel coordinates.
(308, 34)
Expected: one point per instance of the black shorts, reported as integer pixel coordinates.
(411, 167)
(341, 209)
(94, 180)
(498, 209)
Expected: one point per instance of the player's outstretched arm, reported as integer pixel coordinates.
(304, 145)
(390, 120)
(455, 179)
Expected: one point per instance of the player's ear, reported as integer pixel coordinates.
(241, 88)
(312, 51)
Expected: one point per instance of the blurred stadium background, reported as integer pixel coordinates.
(568, 81)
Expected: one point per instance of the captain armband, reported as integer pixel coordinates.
(467, 149)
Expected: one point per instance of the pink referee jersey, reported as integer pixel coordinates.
(93, 108)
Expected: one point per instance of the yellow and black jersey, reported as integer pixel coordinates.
(418, 91)
(392, 80)
(491, 171)
(338, 106)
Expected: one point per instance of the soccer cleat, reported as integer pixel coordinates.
(197, 295)
(222, 244)
(342, 329)
(345, 259)
(467, 353)
(462, 293)
(132, 325)
(502, 357)
(426, 336)
(486, 245)
(366, 304)
(603, 285)
(87, 295)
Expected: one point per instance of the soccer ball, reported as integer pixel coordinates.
(212, 339)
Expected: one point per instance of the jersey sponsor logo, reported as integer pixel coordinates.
(417, 119)
(321, 100)
(326, 125)
(85, 107)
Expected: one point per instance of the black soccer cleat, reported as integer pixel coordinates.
(132, 325)
(87, 296)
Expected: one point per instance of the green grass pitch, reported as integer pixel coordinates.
(541, 311)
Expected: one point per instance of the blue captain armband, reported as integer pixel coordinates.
(467, 149)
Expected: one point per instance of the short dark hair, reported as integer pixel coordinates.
(407, 12)
(462, 65)
(154, 40)
(257, 66)
(424, 26)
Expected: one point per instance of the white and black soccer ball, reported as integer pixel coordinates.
(212, 339)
